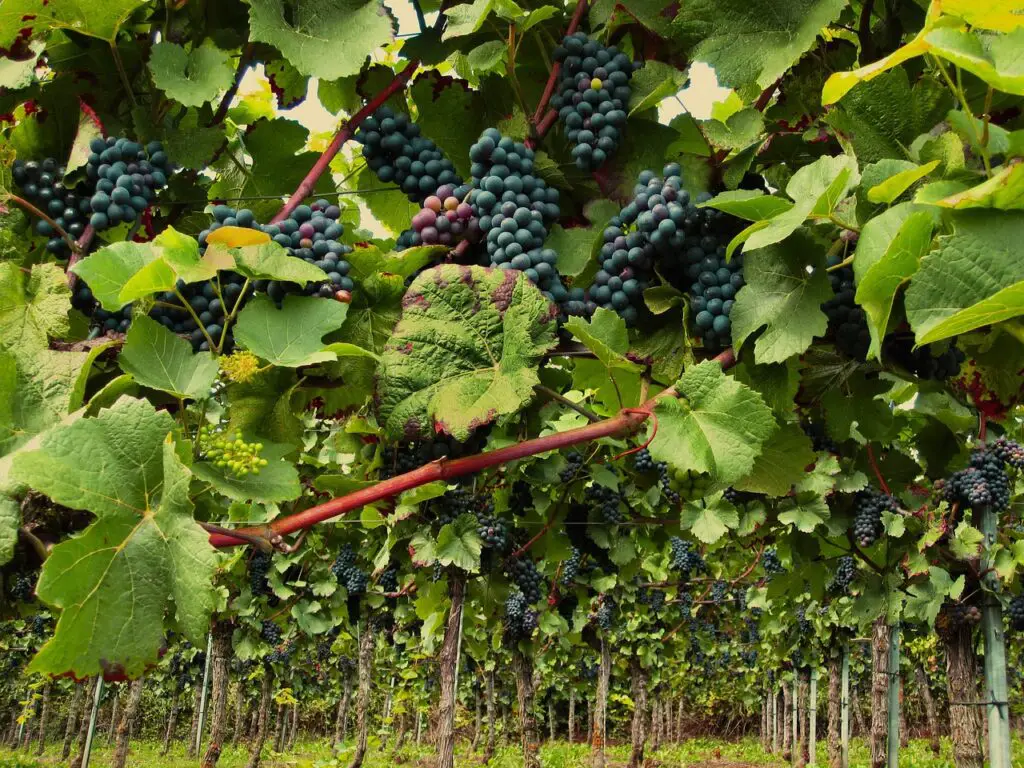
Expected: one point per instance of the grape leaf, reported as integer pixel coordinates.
(159, 359)
(709, 521)
(975, 277)
(34, 306)
(784, 296)
(20, 73)
(88, 129)
(995, 58)
(815, 190)
(465, 350)
(326, 39)
(10, 520)
(278, 481)
(889, 250)
(806, 512)
(895, 184)
(194, 77)
(653, 82)
(1005, 190)
(781, 463)
(459, 544)
(291, 336)
(95, 18)
(717, 425)
(926, 598)
(606, 336)
(143, 555)
(270, 261)
(751, 43)
(749, 204)
(577, 246)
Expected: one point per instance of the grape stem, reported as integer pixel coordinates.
(259, 542)
(627, 422)
(40, 215)
(586, 413)
(878, 472)
(244, 62)
(860, 554)
(305, 188)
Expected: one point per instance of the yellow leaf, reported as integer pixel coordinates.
(235, 237)
(999, 15)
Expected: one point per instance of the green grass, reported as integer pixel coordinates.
(694, 753)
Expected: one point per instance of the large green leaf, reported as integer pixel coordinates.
(815, 189)
(751, 43)
(96, 18)
(142, 557)
(975, 277)
(782, 463)
(716, 425)
(33, 306)
(327, 39)
(785, 287)
(292, 335)
(192, 78)
(889, 250)
(465, 351)
(10, 521)
(157, 358)
(995, 58)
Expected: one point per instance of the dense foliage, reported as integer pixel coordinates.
(520, 369)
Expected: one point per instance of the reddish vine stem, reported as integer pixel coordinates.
(526, 547)
(624, 424)
(305, 188)
(751, 567)
(244, 62)
(878, 472)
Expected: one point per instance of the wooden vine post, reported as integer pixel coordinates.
(996, 692)
(845, 720)
(893, 736)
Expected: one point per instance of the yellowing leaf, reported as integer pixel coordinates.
(236, 237)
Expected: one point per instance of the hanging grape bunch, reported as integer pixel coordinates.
(515, 208)
(847, 322)
(347, 573)
(592, 97)
(846, 571)
(520, 619)
(396, 152)
(983, 484)
(1015, 613)
(867, 515)
(126, 177)
(232, 454)
(686, 560)
(42, 184)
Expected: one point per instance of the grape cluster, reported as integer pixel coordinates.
(1009, 452)
(515, 208)
(644, 462)
(1015, 613)
(522, 498)
(523, 571)
(804, 626)
(282, 654)
(490, 527)
(653, 598)
(235, 455)
(520, 619)
(23, 587)
(739, 498)
(126, 177)
(592, 97)
(323, 651)
(573, 467)
(846, 571)
(719, 591)
(445, 219)
(820, 441)
(608, 500)
(605, 614)
(685, 558)
(312, 233)
(771, 563)
(846, 321)
(388, 581)
(930, 361)
(270, 632)
(690, 484)
(396, 152)
(867, 516)
(571, 567)
(983, 484)
(348, 575)
(451, 504)
(42, 184)
(953, 616)
(211, 302)
(259, 567)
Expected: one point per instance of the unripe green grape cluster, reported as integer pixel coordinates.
(236, 455)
